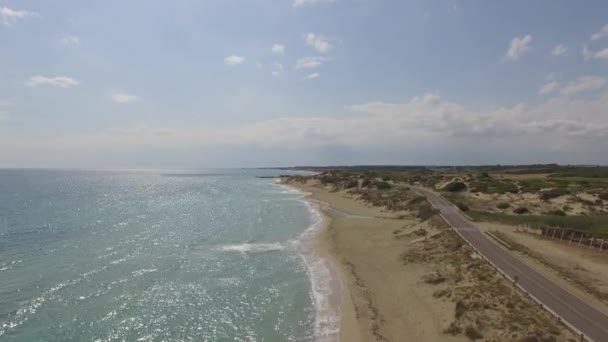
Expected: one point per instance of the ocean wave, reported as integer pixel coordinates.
(325, 285)
(253, 247)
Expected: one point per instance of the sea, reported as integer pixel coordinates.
(160, 255)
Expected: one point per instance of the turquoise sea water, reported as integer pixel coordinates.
(151, 256)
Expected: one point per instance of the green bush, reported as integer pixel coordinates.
(503, 205)
(462, 206)
(382, 185)
(455, 187)
(521, 210)
(553, 193)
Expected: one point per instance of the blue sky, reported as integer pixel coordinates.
(128, 84)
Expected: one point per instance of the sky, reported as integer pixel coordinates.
(255, 83)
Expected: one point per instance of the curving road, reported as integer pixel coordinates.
(573, 311)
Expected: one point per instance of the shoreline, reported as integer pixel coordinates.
(335, 316)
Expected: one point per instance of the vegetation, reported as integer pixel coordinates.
(503, 205)
(553, 193)
(521, 210)
(596, 223)
(455, 186)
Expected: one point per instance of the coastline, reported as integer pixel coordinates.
(335, 313)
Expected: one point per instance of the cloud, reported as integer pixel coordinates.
(559, 50)
(602, 54)
(602, 33)
(311, 62)
(519, 46)
(70, 40)
(548, 88)
(234, 60)
(277, 68)
(317, 42)
(583, 84)
(313, 76)
(590, 54)
(123, 98)
(300, 3)
(59, 81)
(10, 16)
(278, 49)
(561, 128)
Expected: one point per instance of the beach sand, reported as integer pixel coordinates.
(383, 300)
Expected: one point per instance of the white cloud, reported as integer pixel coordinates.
(277, 68)
(278, 49)
(548, 88)
(590, 54)
(602, 33)
(10, 16)
(559, 50)
(300, 3)
(583, 84)
(317, 42)
(69, 40)
(123, 98)
(311, 62)
(59, 81)
(234, 60)
(602, 54)
(313, 76)
(518, 47)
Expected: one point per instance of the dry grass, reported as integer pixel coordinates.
(485, 305)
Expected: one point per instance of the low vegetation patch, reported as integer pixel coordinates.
(591, 223)
(521, 210)
(503, 205)
(553, 193)
(455, 186)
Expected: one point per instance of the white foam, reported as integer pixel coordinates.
(252, 247)
(323, 280)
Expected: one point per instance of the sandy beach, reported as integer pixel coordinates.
(404, 285)
(382, 299)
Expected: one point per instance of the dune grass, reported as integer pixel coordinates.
(595, 224)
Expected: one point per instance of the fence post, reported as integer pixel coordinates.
(581, 239)
(571, 237)
(562, 237)
(553, 236)
(591, 242)
(602, 245)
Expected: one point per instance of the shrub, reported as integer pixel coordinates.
(382, 185)
(521, 210)
(455, 186)
(462, 206)
(503, 205)
(603, 196)
(353, 183)
(365, 182)
(454, 329)
(425, 212)
(473, 333)
(556, 212)
(553, 193)
(461, 308)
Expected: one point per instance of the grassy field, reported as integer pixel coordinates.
(592, 224)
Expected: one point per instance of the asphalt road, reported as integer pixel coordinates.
(577, 313)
